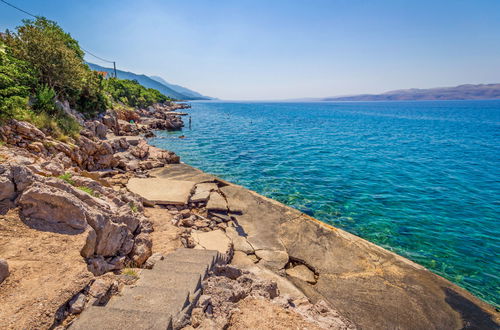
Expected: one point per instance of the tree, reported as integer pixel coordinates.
(17, 80)
(53, 53)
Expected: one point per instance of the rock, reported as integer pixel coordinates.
(100, 130)
(141, 150)
(98, 265)
(149, 264)
(303, 273)
(240, 243)
(197, 316)
(204, 301)
(7, 188)
(54, 206)
(216, 202)
(200, 223)
(100, 290)
(188, 222)
(4, 270)
(77, 304)
(142, 249)
(274, 260)
(227, 271)
(90, 244)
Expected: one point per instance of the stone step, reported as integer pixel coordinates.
(196, 255)
(162, 298)
(165, 280)
(150, 299)
(170, 266)
(107, 318)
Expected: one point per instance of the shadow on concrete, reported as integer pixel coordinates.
(473, 316)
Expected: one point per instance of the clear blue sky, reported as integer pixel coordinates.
(275, 49)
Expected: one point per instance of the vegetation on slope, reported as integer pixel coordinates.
(41, 64)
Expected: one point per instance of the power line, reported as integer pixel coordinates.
(24, 11)
(87, 52)
(35, 16)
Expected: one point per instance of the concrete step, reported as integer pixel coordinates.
(165, 280)
(196, 255)
(106, 318)
(169, 266)
(162, 298)
(149, 299)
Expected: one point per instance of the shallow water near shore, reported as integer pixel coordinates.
(419, 178)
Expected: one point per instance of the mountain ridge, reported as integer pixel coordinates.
(171, 90)
(460, 92)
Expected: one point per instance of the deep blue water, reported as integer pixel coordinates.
(419, 178)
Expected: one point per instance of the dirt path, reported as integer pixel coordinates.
(165, 235)
(46, 271)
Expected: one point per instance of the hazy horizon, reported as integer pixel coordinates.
(236, 50)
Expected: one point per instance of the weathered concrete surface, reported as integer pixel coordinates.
(212, 240)
(162, 298)
(161, 191)
(373, 287)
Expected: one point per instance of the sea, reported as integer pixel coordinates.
(419, 178)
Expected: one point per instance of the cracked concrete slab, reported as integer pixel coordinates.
(161, 191)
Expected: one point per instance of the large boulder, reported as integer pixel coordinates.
(54, 206)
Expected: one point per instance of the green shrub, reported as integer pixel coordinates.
(133, 207)
(45, 100)
(130, 272)
(67, 177)
(88, 190)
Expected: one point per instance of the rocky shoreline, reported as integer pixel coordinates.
(122, 204)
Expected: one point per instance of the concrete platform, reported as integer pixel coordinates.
(106, 318)
(161, 191)
(151, 299)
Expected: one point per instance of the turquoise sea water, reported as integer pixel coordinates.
(419, 178)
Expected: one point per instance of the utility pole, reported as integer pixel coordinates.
(114, 67)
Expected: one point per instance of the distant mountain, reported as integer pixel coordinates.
(462, 92)
(179, 89)
(179, 92)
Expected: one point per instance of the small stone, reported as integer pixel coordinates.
(149, 264)
(204, 301)
(77, 304)
(197, 316)
(4, 270)
(187, 222)
(302, 272)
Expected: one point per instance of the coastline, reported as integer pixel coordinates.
(350, 273)
(398, 292)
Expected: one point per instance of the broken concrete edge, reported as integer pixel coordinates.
(357, 241)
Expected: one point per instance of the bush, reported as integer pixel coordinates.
(45, 100)
(133, 94)
(16, 82)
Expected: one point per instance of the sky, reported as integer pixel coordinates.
(285, 49)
